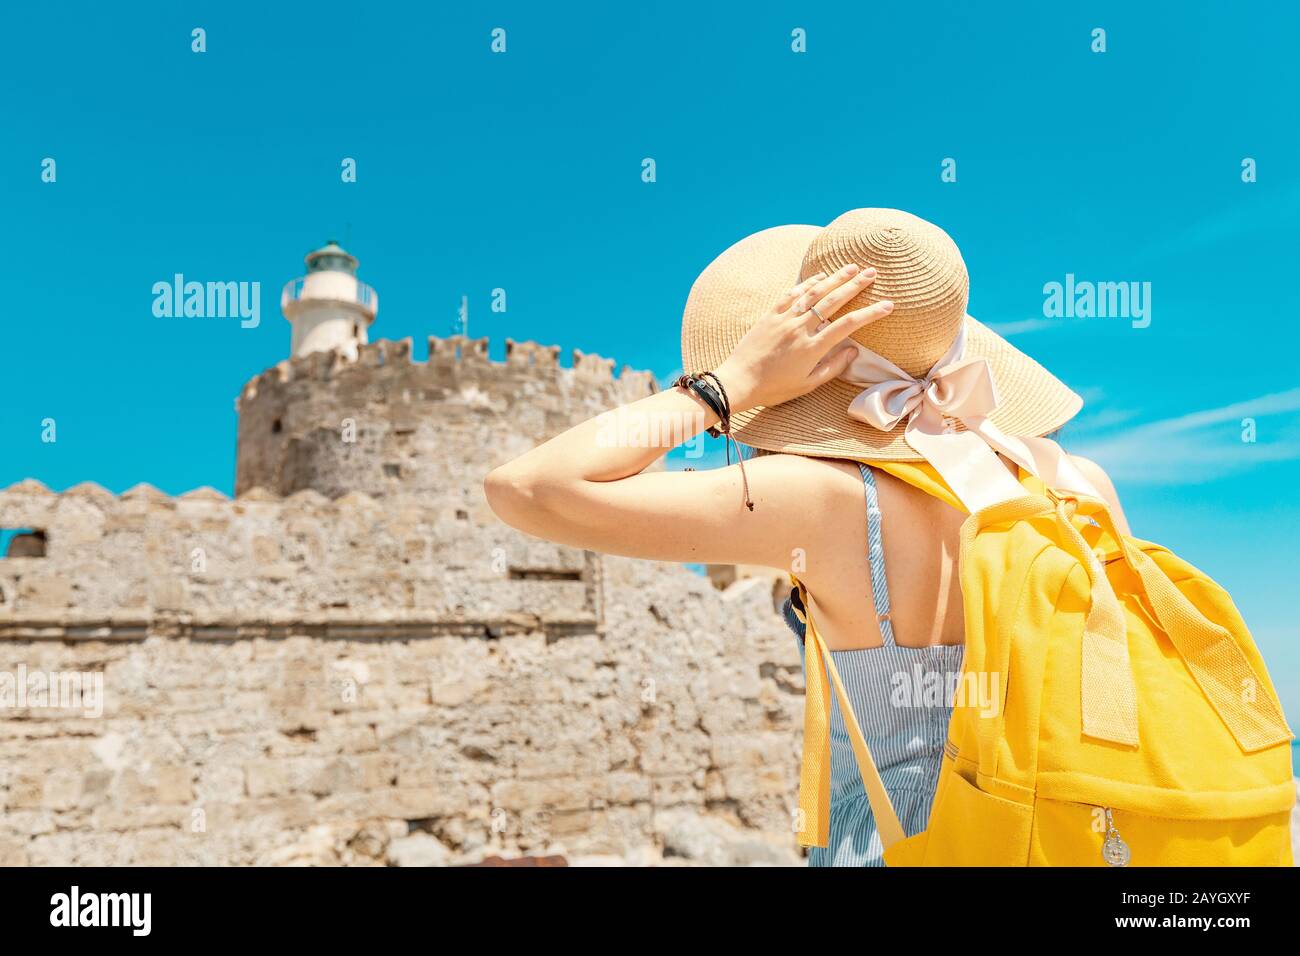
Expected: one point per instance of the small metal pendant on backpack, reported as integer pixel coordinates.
(1113, 849)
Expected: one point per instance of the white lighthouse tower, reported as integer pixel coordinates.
(329, 307)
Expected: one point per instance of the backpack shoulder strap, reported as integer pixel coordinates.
(1242, 697)
(923, 476)
(918, 474)
(815, 772)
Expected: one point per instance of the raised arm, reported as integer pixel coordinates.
(585, 487)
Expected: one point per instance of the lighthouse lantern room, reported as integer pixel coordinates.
(329, 307)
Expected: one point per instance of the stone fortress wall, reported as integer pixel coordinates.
(354, 662)
(433, 427)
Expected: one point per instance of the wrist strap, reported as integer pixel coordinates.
(710, 390)
(715, 401)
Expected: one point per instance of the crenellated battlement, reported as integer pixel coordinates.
(446, 352)
(385, 423)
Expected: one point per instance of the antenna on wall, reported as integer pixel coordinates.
(462, 320)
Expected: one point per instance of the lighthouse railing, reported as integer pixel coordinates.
(364, 295)
(292, 292)
(367, 296)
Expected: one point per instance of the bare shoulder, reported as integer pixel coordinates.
(1097, 475)
(810, 495)
(799, 503)
(817, 479)
(822, 492)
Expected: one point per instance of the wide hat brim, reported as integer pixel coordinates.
(748, 279)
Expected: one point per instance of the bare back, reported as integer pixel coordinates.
(920, 537)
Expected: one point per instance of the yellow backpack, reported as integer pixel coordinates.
(1134, 721)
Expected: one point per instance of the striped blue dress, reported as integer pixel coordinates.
(902, 699)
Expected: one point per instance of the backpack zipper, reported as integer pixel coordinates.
(1113, 849)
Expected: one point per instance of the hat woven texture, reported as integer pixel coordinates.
(920, 270)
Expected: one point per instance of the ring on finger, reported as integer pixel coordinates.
(821, 317)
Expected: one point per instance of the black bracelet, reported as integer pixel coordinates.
(716, 399)
(724, 427)
(707, 394)
(711, 398)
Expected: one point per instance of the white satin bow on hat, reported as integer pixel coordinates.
(960, 389)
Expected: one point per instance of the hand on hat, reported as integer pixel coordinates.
(799, 345)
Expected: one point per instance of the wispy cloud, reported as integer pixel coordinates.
(1257, 210)
(1008, 329)
(1091, 393)
(1200, 446)
(1101, 419)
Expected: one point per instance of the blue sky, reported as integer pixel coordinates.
(522, 171)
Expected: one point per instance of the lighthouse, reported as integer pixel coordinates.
(329, 307)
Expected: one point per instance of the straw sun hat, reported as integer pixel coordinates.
(921, 271)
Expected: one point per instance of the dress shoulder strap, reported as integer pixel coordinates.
(876, 557)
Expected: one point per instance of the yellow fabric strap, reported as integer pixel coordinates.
(1108, 692)
(1108, 695)
(1238, 693)
(919, 474)
(814, 775)
(815, 768)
